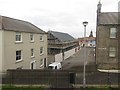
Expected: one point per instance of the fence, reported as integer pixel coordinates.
(59, 78)
(52, 78)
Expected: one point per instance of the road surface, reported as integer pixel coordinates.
(78, 59)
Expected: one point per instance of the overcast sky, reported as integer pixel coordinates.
(58, 15)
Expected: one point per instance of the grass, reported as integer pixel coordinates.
(8, 87)
(96, 88)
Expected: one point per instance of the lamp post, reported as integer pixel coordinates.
(84, 79)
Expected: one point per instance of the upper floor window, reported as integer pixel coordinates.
(18, 55)
(32, 52)
(31, 37)
(18, 37)
(113, 32)
(41, 38)
(41, 50)
(112, 52)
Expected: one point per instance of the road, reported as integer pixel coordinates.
(78, 59)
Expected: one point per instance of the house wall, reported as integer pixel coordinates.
(104, 42)
(58, 57)
(11, 46)
(69, 53)
(1, 50)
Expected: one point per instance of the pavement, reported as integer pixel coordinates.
(77, 59)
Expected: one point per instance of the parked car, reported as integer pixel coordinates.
(55, 65)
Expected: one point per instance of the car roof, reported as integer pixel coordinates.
(54, 64)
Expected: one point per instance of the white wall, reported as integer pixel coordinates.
(1, 49)
(69, 53)
(58, 57)
(10, 47)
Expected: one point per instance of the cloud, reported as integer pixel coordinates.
(58, 15)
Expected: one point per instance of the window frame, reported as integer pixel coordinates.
(20, 55)
(113, 33)
(18, 37)
(112, 52)
(32, 52)
(31, 38)
(41, 50)
(41, 38)
(41, 62)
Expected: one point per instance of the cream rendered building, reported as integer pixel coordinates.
(22, 45)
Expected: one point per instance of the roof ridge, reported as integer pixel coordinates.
(20, 25)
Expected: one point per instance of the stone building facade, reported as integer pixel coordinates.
(107, 39)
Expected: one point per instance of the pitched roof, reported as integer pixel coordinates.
(62, 36)
(108, 18)
(10, 24)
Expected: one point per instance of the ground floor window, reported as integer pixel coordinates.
(41, 62)
(112, 52)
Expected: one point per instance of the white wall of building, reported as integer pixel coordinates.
(10, 48)
(58, 57)
(69, 53)
(1, 50)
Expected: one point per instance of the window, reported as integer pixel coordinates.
(18, 37)
(41, 62)
(31, 37)
(41, 38)
(112, 52)
(41, 50)
(18, 55)
(32, 52)
(113, 32)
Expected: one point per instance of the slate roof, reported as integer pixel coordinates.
(63, 37)
(108, 18)
(11, 24)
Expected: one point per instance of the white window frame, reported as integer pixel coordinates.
(31, 37)
(34, 63)
(112, 52)
(113, 32)
(41, 37)
(17, 60)
(18, 37)
(32, 52)
(41, 50)
(41, 62)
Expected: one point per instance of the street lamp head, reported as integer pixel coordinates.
(85, 23)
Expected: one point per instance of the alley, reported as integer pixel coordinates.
(77, 59)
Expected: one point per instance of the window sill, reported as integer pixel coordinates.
(32, 41)
(17, 42)
(41, 54)
(41, 40)
(32, 56)
(19, 61)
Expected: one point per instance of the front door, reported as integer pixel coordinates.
(33, 65)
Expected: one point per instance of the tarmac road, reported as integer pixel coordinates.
(78, 59)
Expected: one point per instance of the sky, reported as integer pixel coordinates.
(58, 15)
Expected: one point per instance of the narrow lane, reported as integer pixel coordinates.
(78, 59)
